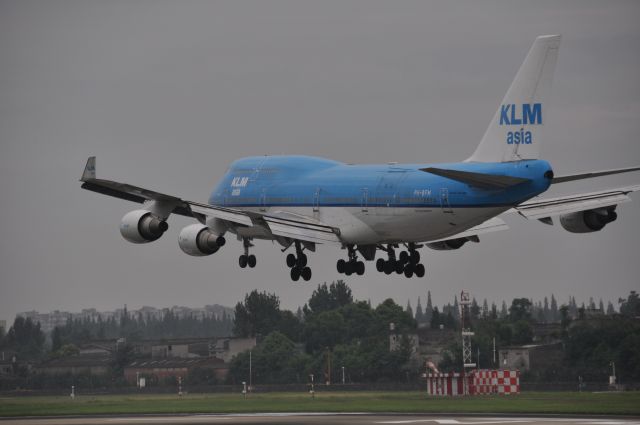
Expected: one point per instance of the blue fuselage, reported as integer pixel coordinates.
(302, 181)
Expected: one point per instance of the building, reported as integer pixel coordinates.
(158, 371)
(91, 364)
(227, 348)
(531, 357)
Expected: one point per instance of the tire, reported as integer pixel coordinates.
(404, 257)
(251, 261)
(389, 267)
(341, 265)
(348, 268)
(380, 265)
(291, 260)
(419, 270)
(242, 261)
(220, 241)
(399, 267)
(302, 261)
(359, 268)
(306, 273)
(415, 257)
(295, 274)
(408, 271)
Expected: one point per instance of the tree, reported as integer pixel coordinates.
(409, 310)
(554, 309)
(610, 309)
(545, 311)
(503, 310)
(435, 319)
(326, 298)
(56, 339)
(26, 338)
(520, 309)
(630, 306)
(522, 332)
(259, 314)
(428, 312)
(419, 313)
(390, 312)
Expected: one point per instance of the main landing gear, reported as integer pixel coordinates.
(298, 264)
(352, 265)
(408, 262)
(246, 259)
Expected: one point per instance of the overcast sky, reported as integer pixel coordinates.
(167, 94)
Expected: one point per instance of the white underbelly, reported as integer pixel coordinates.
(376, 225)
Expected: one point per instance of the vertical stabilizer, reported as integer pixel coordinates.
(515, 133)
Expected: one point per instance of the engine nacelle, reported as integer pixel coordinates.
(588, 221)
(141, 226)
(198, 240)
(448, 245)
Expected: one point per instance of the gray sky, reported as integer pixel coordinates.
(166, 94)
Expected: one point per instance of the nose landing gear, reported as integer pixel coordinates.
(246, 259)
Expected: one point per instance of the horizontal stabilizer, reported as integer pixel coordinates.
(573, 177)
(480, 180)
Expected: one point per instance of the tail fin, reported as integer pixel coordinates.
(515, 132)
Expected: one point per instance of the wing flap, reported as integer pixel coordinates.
(492, 225)
(573, 203)
(294, 228)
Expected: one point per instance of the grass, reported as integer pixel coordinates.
(626, 403)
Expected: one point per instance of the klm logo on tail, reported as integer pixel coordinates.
(527, 114)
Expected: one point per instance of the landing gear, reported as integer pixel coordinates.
(352, 265)
(298, 264)
(245, 259)
(407, 262)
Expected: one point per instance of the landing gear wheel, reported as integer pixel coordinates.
(348, 268)
(341, 265)
(408, 271)
(404, 257)
(380, 265)
(291, 260)
(302, 261)
(295, 274)
(251, 261)
(419, 270)
(359, 266)
(242, 261)
(389, 267)
(415, 257)
(220, 241)
(399, 267)
(306, 273)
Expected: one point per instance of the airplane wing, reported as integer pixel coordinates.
(492, 225)
(546, 208)
(289, 226)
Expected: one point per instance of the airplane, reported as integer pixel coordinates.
(302, 201)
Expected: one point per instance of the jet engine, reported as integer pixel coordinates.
(141, 226)
(448, 245)
(198, 240)
(588, 221)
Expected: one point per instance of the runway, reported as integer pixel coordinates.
(321, 418)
